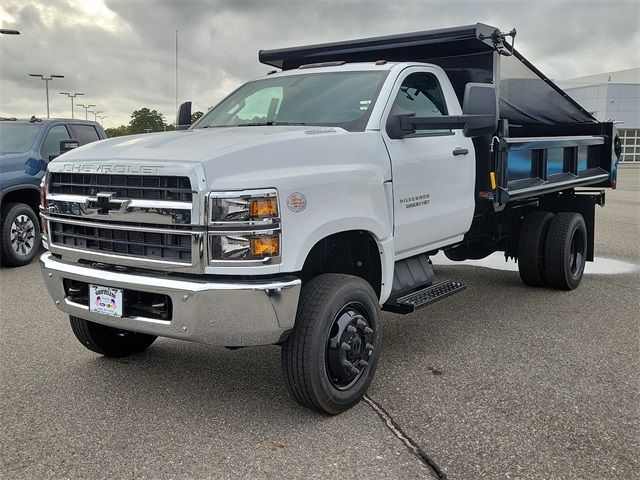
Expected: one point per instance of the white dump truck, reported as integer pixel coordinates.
(311, 199)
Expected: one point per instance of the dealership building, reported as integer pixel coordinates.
(612, 96)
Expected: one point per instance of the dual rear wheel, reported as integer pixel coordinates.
(552, 249)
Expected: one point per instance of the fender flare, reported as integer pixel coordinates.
(24, 186)
(384, 241)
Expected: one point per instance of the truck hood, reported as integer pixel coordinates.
(237, 158)
(191, 146)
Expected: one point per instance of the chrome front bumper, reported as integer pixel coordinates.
(217, 312)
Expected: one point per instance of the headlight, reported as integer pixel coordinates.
(244, 227)
(245, 207)
(257, 247)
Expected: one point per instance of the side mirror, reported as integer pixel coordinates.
(479, 115)
(183, 121)
(399, 123)
(65, 146)
(480, 109)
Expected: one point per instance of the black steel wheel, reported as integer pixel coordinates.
(19, 235)
(330, 357)
(566, 251)
(109, 341)
(531, 248)
(349, 346)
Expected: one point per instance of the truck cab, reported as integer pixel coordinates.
(311, 199)
(26, 147)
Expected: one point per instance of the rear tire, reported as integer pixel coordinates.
(19, 235)
(330, 357)
(566, 250)
(531, 248)
(108, 341)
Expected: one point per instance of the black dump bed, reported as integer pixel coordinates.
(546, 141)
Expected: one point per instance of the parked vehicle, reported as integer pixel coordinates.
(310, 199)
(26, 147)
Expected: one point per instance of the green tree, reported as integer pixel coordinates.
(117, 131)
(195, 116)
(145, 120)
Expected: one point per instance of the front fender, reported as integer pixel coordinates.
(385, 247)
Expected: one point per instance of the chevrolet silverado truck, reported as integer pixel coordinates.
(311, 199)
(26, 147)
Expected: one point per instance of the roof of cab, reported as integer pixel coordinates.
(48, 120)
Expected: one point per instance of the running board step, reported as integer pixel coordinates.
(416, 300)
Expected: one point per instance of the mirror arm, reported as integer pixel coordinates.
(444, 122)
(452, 122)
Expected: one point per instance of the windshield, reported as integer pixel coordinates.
(341, 99)
(17, 137)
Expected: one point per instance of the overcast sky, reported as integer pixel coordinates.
(121, 54)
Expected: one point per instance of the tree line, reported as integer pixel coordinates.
(146, 120)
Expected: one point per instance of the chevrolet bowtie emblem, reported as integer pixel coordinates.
(104, 202)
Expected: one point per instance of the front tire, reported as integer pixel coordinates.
(108, 341)
(332, 353)
(566, 251)
(19, 235)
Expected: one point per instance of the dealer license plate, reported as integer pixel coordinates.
(105, 300)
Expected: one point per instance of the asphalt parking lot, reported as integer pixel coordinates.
(500, 381)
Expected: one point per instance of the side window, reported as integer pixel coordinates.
(259, 107)
(85, 134)
(51, 145)
(421, 93)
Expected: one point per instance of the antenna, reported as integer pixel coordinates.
(176, 73)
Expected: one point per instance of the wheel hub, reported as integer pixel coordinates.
(577, 253)
(22, 235)
(349, 346)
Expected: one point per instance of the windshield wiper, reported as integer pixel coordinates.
(256, 124)
(268, 124)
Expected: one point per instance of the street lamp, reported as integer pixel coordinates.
(5, 31)
(46, 84)
(86, 108)
(95, 114)
(71, 96)
(102, 117)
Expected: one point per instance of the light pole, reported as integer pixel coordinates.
(5, 31)
(86, 108)
(95, 114)
(102, 117)
(71, 96)
(46, 84)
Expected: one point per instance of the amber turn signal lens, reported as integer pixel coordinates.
(263, 207)
(265, 246)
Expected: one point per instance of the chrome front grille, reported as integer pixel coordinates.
(131, 187)
(129, 220)
(152, 245)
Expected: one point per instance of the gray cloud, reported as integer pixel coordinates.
(122, 56)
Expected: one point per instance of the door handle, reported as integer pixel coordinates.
(460, 151)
